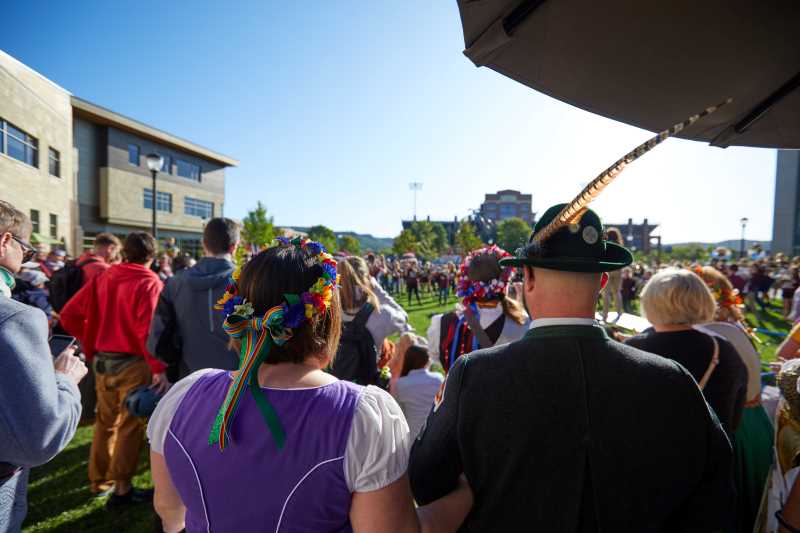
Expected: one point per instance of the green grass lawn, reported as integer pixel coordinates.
(59, 497)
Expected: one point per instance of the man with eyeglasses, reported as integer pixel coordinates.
(40, 404)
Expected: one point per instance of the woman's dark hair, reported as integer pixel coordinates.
(281, 270)
(415, 357)
(139, 247)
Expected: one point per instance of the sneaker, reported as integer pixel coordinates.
(133, 496)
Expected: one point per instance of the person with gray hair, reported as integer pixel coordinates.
(40, 404)
(674, 301)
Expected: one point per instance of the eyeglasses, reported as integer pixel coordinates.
(28, 250)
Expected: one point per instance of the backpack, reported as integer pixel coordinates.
(357, 358)
(66, 282)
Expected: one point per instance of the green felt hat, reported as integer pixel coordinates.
(575, 248)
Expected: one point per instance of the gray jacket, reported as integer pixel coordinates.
(39, 408)
(186, 313)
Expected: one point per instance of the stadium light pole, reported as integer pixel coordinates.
(743, 221)
(154, 163)
(415, 186)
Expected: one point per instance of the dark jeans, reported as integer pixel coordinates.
(415, 290)
(444, 294)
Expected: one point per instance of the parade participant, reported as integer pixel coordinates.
(754, 437)
(366, 323)
(186, 332)
(486, 315)
(415, 385)
(281, 445)
(113, 333)
(566, 429)
(613, 289)
(39, 400)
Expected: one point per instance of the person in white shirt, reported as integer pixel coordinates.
(416, 385)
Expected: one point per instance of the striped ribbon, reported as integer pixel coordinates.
(258, 335)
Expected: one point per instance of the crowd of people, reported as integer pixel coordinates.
(277, 397)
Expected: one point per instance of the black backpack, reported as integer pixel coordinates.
(66, 282)
(357, 358)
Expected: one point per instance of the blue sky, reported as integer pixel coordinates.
(334, 107)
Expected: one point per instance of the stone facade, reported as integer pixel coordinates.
(507, 204)
(41, 109)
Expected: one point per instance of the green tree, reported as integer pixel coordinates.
(405, 242)
(466, 238)
(258, 227)
(324, 236)
(512, 233)
(349, 244)
(431, 238)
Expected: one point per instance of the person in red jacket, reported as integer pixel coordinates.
(111, 317)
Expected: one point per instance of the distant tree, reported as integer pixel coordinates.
(324, 236)
(258, 228)
(405, 242)
(512, 233)
(349, 244)
(440, 242)
(466, 238)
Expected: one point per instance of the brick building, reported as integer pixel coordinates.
(508, 204)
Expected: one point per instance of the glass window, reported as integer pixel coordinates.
(198, 208)
(55, 163)
(163, 201)
(507, 211)
(35, 220)
(187, 170)
(53, 226)
(133, 154)
(17, 144)
(166, 165)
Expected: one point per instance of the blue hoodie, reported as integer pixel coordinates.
(186, 326)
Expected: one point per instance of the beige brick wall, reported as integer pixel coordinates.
(121, 201)
(42, 109)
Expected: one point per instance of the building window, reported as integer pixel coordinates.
(133, 154)
(507, 211)
(17, 144)
(166, 164)
(55, 163)
(198, 208)
(53, 226)
(35, 220)
(187, 170)
(163, 201)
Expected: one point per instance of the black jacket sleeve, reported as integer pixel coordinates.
(435, 462)
(164, 338)
(709, 507)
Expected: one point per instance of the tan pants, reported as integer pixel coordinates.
(118, 435)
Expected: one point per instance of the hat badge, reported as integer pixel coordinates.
(590, 235)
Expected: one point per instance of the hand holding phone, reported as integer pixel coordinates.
(59, 343)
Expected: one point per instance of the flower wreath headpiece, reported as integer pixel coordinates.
(471, 291)
(260, 333)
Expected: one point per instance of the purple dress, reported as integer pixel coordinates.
(252, 486)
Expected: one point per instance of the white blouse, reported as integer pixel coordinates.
(377, 449)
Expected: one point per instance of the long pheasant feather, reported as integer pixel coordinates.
(574, 210)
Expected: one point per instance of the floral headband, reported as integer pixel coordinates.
(260, 333)
(471, 291)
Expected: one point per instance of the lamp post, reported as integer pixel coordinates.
(154, 163)
(743, 221)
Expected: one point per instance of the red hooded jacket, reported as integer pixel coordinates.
(112, 312)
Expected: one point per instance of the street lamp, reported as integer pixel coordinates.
(743, 221)
(154, 163)
(415, 186)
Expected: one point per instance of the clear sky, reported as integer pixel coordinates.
(334, 107)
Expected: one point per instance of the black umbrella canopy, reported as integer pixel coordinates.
(651, 64)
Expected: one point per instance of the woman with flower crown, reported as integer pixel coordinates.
(485, 317)
(754, 435)
(280, 445)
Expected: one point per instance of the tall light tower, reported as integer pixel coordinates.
(743, 221)
(415, 186)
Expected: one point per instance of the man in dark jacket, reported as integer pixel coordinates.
(568, 430)
(186, 332)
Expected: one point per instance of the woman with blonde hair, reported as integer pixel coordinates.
(674, 301)
(366, 322)
(754, 436)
